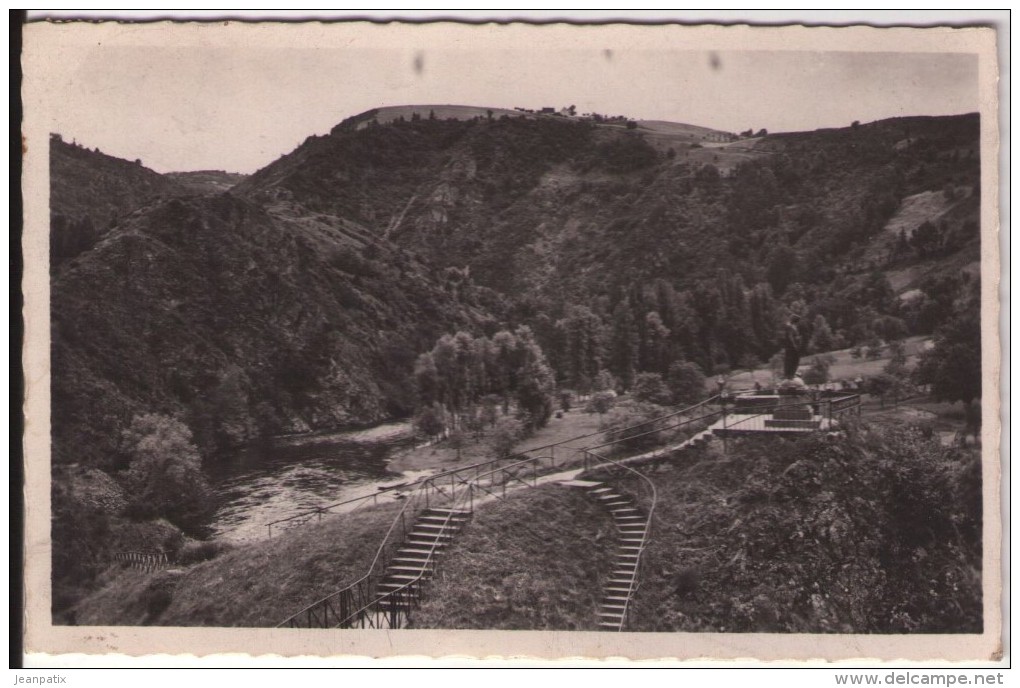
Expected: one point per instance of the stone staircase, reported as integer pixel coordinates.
(631, 526)
(413, 564)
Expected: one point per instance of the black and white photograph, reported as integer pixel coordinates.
(638, 341)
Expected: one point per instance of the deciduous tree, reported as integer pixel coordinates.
(164, 475)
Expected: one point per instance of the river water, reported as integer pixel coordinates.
(288, 475)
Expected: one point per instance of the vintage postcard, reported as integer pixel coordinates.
(509, 340)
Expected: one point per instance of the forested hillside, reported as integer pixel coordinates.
(90, 191)
(701, 259)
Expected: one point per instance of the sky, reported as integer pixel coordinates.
(239, 108)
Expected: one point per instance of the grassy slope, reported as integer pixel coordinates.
(575, 423)
(870, 535)
(844, 367)
(536, 561)
(255, 585)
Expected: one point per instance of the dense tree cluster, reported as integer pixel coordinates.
(71, 237)
(649, 329)
(461, 377)
(164, 478)
(953, 366)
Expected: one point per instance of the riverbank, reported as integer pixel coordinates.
(441, 456)
(393, 430)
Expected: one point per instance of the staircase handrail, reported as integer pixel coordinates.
(428, 484)
(412, 587)
(422, 492)
(399, 594)
(365, 580)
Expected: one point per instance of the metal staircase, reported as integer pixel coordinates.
(632, 534)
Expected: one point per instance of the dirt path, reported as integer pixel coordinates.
(441, 456)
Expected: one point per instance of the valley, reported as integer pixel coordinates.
(217, 311)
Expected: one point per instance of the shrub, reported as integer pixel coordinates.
(600, 402)
(618, 426)
(566, 399)
(650, 388)
(431, 421)
(505, 435)
(165, 476)
(686, 382)
(818, 373)
(197, 551)
(158, 535)
(604, 381)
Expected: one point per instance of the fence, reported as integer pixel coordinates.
(144, 561)
(557, 455)
(829, 408)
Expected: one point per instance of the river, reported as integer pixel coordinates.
(261, 484)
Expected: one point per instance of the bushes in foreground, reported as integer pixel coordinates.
(872, 532)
